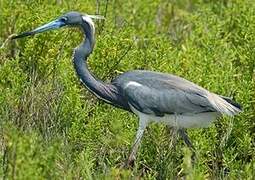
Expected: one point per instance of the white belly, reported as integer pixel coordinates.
(187, 120)
(183, 120)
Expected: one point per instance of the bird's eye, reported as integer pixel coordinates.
(63, 19)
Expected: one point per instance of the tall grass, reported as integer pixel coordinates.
(52, 128)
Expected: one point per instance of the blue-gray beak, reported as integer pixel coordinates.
(49, 26)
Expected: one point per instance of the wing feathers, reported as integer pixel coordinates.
(159, 93)
(223, 105)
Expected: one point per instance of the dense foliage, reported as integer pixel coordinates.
(51, 127)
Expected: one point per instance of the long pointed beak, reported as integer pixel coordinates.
(49, 26)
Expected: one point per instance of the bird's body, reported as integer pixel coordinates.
(152, 96)
(166, 98)
(160, 93)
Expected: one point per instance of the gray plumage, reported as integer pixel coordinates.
(151, 95)
(161, 94)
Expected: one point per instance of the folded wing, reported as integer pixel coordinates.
(159, 94)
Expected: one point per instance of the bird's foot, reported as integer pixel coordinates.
(131, 161)
(127, 164)
(193, 158)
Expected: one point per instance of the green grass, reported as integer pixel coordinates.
(52, 128)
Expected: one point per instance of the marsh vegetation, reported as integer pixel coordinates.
(51, 127)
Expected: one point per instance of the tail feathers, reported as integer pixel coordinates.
(230, 101)
(224, 104)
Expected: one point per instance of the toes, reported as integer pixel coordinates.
(127, 164)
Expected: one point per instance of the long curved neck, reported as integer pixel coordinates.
(106, 92)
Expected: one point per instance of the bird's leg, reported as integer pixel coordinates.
(185, 137)
(187, 141)
(173, 132)
(139, 134)
(135, 146)
(173, 136)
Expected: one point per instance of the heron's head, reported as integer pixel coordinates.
(69, 19)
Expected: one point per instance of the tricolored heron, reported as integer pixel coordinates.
(152, 96)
